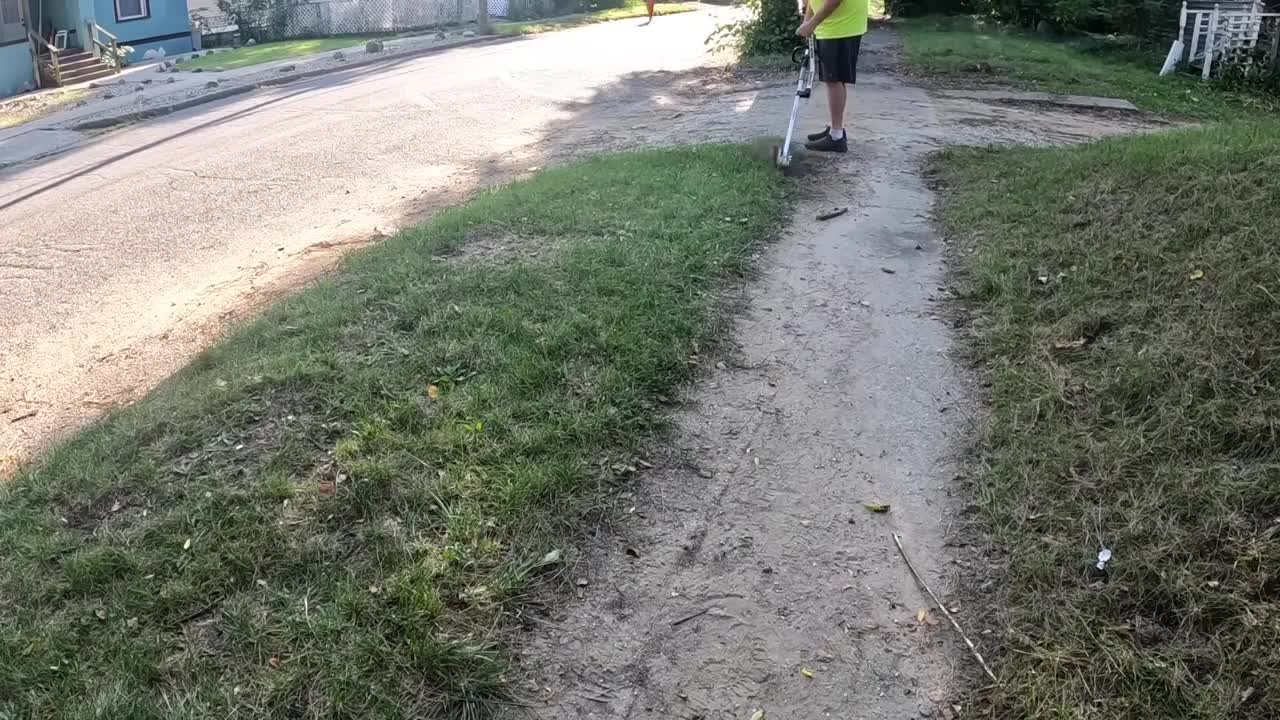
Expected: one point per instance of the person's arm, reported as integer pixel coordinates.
(813, 20)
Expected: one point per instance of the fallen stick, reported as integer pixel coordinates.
(687, 618)
(976, 655)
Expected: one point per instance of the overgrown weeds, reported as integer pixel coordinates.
(1127, 304)
(334, 512)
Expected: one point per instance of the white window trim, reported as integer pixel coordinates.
(143, 5)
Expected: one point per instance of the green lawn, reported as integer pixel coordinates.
(632, 9)
(968, 51)
(1126, 299)
(270, 52)
(333, 512)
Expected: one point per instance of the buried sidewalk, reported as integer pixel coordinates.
(754, 573)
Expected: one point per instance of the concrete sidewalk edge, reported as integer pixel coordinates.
(139, 115)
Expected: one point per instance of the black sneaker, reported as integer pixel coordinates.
(827, 144)
(814, 137)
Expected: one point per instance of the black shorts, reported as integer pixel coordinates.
(838, 59)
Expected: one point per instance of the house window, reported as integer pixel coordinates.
(11, 28)
(132, 9)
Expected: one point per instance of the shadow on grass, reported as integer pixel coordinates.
(338, 510)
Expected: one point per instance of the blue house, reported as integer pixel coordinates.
(58, 42)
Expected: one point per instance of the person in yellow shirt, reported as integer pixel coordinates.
(837, 27)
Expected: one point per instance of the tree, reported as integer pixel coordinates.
(770, 29)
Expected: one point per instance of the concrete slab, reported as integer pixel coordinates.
(21, 144)
(1083, 102)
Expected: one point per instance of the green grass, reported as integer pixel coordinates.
(332, 513)
(633, 9)
(272, 51)
(969, 51)
(1127, 314)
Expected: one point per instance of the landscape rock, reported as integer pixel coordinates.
(198, 70)
(171, 80)
(441, 36)
(1044, 27)
(468, 33)
(211, 84)
(339, 55)
(107, 96)
(138, 89)
(208, 53)
(148, 81)
(178, 60)
(251, 42)
(288, 68)
(373, 46)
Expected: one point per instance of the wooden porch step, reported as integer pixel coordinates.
(85, 74)
(70, 63)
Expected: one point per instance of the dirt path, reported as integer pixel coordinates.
(746, 573)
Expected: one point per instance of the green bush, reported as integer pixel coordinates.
(770, 29)
(1149, 19)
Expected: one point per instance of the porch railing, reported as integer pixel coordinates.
(55, 68)
(102, 42)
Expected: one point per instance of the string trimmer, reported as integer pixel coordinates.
(805, 58)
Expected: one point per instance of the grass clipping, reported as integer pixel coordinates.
(333, 513)
(1127, 300)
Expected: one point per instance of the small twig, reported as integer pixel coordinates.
(596, 698)
(687, 618)
(833, 214)
(24, 416)
(973, 649)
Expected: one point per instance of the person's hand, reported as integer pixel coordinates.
(807, 28)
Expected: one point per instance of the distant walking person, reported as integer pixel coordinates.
(650, 4)
(838, 27)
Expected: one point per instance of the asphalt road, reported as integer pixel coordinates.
(127, 254)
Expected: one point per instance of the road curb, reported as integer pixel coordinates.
(138, 115)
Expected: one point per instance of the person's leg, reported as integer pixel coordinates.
(651, 3)
(837, 96)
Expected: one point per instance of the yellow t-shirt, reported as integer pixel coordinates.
(848, 20)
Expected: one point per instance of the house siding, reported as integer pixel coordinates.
(15, 68)
(168, 18)
(60, 15)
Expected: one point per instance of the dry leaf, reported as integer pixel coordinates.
(758, 715)
(328, 488)
(187, 545)
(876, 507)
(100, 613)
(806, 672)
(1196, 275)
(433, 392)
(274, 661)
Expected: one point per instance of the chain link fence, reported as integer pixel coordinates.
(266, 20)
